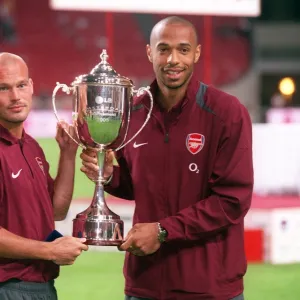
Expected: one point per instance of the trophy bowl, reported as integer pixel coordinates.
(102, 104)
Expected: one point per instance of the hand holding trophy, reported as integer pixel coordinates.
(102, 104)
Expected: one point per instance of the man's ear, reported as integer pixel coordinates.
(31, 84)
(197, 53)
(149, 53)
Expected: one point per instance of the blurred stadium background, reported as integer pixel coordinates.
(253, 54)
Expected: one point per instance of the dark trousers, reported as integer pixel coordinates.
(240, 297)
(21, 290)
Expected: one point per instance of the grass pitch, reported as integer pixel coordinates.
(84, 188)
(97, 275)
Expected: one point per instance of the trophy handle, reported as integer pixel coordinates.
(67, 90)
(139, 92)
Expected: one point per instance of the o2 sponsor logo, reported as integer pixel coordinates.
(194, 168)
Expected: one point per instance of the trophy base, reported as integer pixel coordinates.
(103, 243)
(99, 230)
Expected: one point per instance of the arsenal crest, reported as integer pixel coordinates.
(195, 142)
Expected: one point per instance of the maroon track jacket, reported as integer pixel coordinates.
(191, 170)
(26, 191)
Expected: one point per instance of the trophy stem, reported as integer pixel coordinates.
(98, 224)
(98, 199)
(101, 160)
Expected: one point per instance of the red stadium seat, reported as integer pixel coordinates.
(60, 45)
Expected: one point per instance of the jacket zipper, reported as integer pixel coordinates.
(166, 185)
(167, 137)
(166, 141)
(21, 147)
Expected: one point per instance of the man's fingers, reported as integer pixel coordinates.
(89, 157)
(63, 125)
(59, 131)
(64, 131)
(129, 246)
(120, 249)
(86, 170)
(81, 240)
(109, 156)
(90, 174)
(65, 135)
(90, 165)
(90, 152)
(137, 252)
(126, 245)
(72, 133)
(84, 247)
(129, 233)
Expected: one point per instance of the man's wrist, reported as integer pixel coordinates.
(68, 154)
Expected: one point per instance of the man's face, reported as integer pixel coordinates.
(173, 51)
(16, 91)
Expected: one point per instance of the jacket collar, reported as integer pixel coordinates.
(8, 137)
(190, 95)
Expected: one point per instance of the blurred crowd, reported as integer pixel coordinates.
(7, 21)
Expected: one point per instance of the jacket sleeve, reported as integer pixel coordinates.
(121, 183)
(231, 185)
(1, 186)
(1, 190)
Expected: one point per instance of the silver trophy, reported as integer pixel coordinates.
(102, 104)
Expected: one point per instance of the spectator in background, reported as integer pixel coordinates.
(7, 22)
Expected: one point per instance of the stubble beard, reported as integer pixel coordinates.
(17, 120)
(176, 87)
